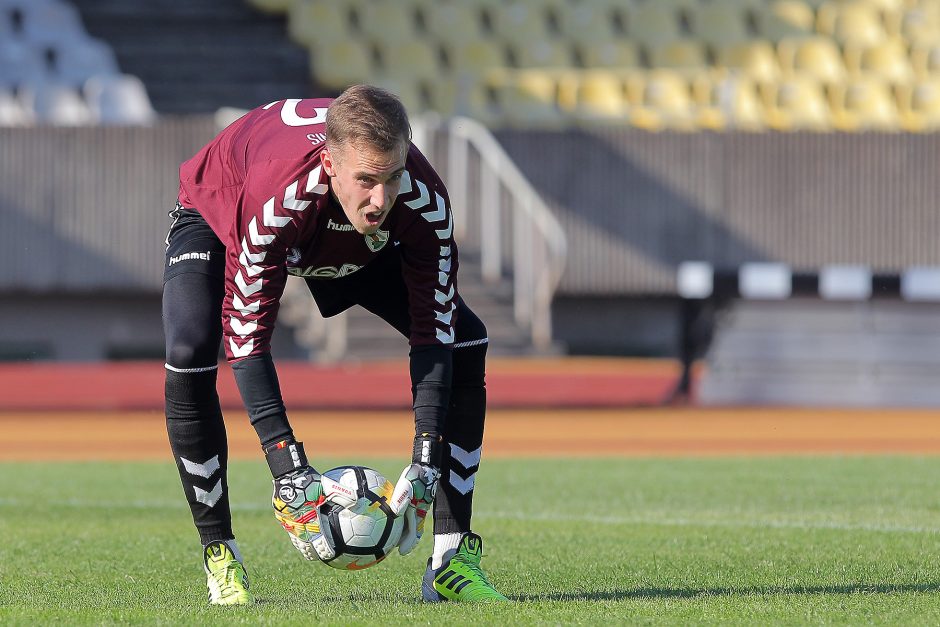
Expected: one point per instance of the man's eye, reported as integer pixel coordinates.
(396, 177)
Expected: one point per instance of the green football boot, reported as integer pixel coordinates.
(460, 578)
(226, 577)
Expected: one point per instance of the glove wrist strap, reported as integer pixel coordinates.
(284, 457)
(427, 450)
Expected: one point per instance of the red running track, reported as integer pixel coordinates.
(511, 383)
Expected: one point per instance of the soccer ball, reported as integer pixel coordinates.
(363, 534)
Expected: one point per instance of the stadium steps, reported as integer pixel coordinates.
(369, 338)
(200, 55)
(812, 352)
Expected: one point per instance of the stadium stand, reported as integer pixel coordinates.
(53, 72)
(200, 55)
(454, 49)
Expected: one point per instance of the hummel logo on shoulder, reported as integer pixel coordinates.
(338, 227)
(206, 256)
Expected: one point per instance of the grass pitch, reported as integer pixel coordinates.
(795, 540)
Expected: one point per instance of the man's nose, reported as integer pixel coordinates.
(378, 195)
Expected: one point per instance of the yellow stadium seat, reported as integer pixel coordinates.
(718, 23)
(683, 53)
(409, 91)
(476, 57)
(850, 23)
(416, 58)
(455, 22)
(610, 54)
(518, 21)
(798, 103)
(541, 53)
(666, 103)
(314, 21)
(817, 57)
(925, 59)
(785, 18)
(338, 64)
(921, 24)
(653, 23)
(890, 5)
(864, 105)
(888, 60)
(601, 97)
(462, 97)
(585, 23)
(755, 59)
(737, 98)
(388, 21)
(920, 106)
(528, 98)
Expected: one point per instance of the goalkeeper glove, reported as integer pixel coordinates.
(415, 490)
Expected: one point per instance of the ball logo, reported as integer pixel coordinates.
(287, 493)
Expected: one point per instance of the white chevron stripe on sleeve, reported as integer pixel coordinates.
(446, 232)
(460, 484)
(241, 351)
(444, 318)
(440, 214)
(445, 337)
(421, 200)
(313, 182)
(272, 220)
(405, 185)
(290, 199)
(250, 269)
(468, 459)
(444, 265)
(445, 251)
(247, 289)
(246, 309)
(205, 470)
(256, 238)
(250, 256)
(441, 297)
(243, 329)
(209, 499)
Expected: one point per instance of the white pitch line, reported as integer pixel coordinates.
(698, 522)
(542, 517)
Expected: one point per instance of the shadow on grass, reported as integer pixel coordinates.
(691, 593)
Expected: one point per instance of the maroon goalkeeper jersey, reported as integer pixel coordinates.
(260, 186)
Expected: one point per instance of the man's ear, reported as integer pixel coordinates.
(329, 165)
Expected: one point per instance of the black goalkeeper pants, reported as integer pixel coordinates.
(192, 309)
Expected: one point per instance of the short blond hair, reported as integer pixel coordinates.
(365, 115)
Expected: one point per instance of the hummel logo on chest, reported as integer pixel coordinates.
(338, 227)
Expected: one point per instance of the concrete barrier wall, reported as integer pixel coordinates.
(636, 204)
(86, 208)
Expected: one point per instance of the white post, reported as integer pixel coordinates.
(523, 268)
(457, 164)
(490, 248)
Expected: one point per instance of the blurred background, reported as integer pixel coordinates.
(592, 149)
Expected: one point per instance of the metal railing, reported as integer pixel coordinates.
(537, 247)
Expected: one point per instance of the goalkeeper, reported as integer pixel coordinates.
(332, 191)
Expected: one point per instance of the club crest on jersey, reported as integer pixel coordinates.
(376, 241)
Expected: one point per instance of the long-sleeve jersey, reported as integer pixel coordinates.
(261, 187)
